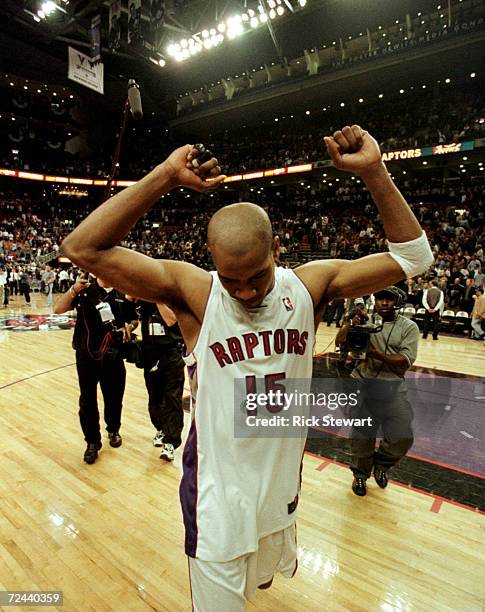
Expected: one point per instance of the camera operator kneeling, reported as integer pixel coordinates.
(390, 353)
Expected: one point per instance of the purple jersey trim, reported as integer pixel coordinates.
(189, 491)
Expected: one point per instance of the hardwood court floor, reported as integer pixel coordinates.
(110, 535)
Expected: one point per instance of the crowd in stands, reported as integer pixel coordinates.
(328, 220)
(448, 116)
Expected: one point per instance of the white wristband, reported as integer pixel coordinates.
(414, 256)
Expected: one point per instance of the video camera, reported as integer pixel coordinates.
(357, 342)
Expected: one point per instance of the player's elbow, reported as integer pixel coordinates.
(78, 252)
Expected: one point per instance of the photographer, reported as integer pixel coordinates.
(163, 369)
(105, 320)
(391, 352)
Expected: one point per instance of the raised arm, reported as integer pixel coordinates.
(92, 245)
(354, 150)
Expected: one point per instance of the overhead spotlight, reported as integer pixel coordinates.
(342, 104)
(302, 2)
(423, 86)
(235, 30)
(41, 14)
(221, 27)
(48, 7)
(161, 63)
(381, 95)
(280, 10)
(251, 13)
(184, 44)
(401, 91)
(205, 34)
(208, 43)
(307, 112)
(212, 32)
(173, 49)
(271, 4)
(254, 22)
(361, 100)
(263, 18)
(447, 80)
(473, 75)
(272, 14)
(245, 17)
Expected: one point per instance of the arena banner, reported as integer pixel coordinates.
(114, 35)
(460, 147)
(134, 21)
(95, 38)
(83, 70)
(442, 149)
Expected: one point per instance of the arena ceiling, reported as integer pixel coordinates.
(38, 50)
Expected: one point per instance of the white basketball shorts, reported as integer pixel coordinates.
(223, 587)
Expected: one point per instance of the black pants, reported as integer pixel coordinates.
(394, 416)
(335, 311)
(110, 373)
(432, 319)
(164, 380)
(25, 291)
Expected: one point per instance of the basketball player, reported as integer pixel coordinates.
(249, 318)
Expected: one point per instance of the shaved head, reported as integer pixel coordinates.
(240, 228)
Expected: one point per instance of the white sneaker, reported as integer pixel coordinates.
(168, 452)
(158, 438)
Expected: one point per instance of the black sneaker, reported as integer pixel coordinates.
(381, 477)
(359, 486)
(114, 439)
(91, 452)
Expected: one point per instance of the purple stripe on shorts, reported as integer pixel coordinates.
(191, 371)
(188, 491)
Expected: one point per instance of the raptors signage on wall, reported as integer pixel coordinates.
(84, 70)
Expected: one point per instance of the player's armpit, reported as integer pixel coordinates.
(328, 279)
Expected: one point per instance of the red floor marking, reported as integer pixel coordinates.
(405, 486)
(436, 505)
(322, 466)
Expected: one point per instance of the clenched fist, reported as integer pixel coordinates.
(353, 150)
(184, 174)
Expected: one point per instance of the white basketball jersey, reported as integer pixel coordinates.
(235, 491)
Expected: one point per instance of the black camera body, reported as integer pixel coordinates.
(357, 342)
